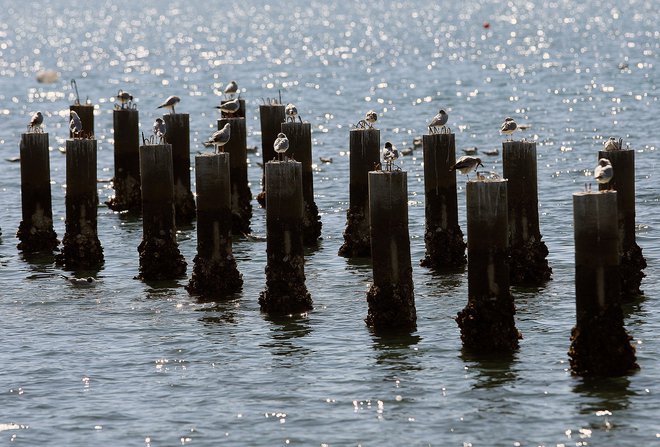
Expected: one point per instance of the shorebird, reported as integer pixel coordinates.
(465, 164)
(291, 113)
(439, 121)
(231, 89)
(612, 145)
(281, 145)
(371, 117)
(604, 171)
(75, 125)
(219, 138)
(159, 130)
(170, 103)
(508, 126)
(124, 98)
(389, 155)
(35, 123)
(80, 282)
(229, 107)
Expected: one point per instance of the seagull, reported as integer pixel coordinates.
(389, 155)
(124, 98)
(604, 171)
(465, 164)
(75, 125)
(231, 89)
(291, 113)
(219, 138)
(508, 126)
(439, 121)
(611, 145)
(229, 107)
(281, 145)
(170, 103)
(371, 117)
(80, 282)
(35, 122)
(159, 129)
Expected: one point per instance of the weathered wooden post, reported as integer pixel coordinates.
(35, 231)
(285, 291)
(86, 114)
(445, 247)
(390, 298)
(600, 345)
(623, 182)
(241, 196)
(81, 248)
(487, 322)
(159, 252)
(271, 116)
(126, 180)
(239, 114)
(178, 136)
(364, 147)
(528, 262)
(214, 268)
(300, 149)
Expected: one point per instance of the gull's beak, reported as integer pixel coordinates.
(479, 164)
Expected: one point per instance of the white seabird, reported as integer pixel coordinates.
(170, 103)
(219, 138)
(281, 145)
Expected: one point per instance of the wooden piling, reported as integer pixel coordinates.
(35, 231)
(300, 149)
(214, 271)
(390, 298)
(528, 253)
(159, 252)
(126, 180)
(178, 136)
(623, 182)
(364, 147)
(81, 246)
(285, 291)
(239, 114)
(600, 345)
(241, 196)
(445, 247)
(271, 116)
(86, 114)
(487, 322)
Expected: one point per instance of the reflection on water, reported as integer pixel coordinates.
(602, 394)
(285, 344)
(492, 370)
(397, 352)
(219, 312)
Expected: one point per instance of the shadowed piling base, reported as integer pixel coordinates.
(528, 263)
(178, 135)
(285, 291)
(261, 199)
(600, 346)
(357, 241)
(632, 264)
(488, 325)
(311, 224)
(34, 240)
(160, 259)
(214, 277)
(390, 308)
(444, 248)
(126, 181)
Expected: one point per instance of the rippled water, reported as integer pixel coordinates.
(129, 363)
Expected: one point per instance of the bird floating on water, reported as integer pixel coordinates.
(124, 98)
(75, 125)
(439, 121)
(80, 282)
(291, 112)
(219, 138)
(612, 144)
(604, 171)
(389, 155)
(170, 103)
(509, 126)
(231, 89)
(36, 123)
(325, 159)
(159, 130)
(466, 164)
(470, 150)
(281, 145)
(230, 107)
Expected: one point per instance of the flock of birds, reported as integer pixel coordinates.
(603, 173)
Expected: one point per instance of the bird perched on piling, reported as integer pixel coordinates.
(389, 155)
(170, 103)
(229, 107)
(604, 171)
(281, 145)
(509, 126)
(75, 125)
(219, 138)
(612, 145)
(231, 89)
(159, 130)
(371, 117)
(439, 121)
(36, 122)
(291, 113)
(466, 164)
(124, 98)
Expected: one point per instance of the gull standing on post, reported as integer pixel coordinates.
(389, 155)
(124, 98)
(281, 145)
(170, 103)
(612, 145)
(231, 89)
(230, 107)
(219, 138)
(438, 121)
(508, 126)
(604, 171)
(75, 125)
(159, 130)
(465, 164)
(371, 117)
(36, 122)
(291, 113)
